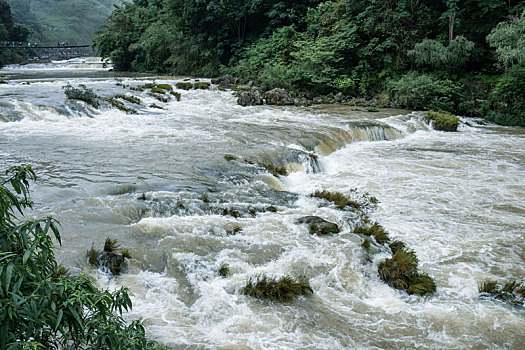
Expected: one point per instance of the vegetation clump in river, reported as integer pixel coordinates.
(376, 230)
(442, 120)
(111, 258)
(280, 289)
(119, 105)
(339, 199)
(512, 291)
(82, 93)
(201, 85)
(184, 85)
(130, 99)
(400, 272)
(319, 226)
(41, 305)
(224, 270)
(275, 170)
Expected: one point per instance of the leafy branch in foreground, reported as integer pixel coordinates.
(42, 307)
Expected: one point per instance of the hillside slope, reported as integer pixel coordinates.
(53, 21)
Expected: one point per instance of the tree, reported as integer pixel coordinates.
(40, 306)
(508, 39)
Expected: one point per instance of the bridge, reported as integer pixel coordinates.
(41, 47)
(47, 51)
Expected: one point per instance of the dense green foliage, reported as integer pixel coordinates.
(315, 47)
(41, 307)
(280, 289)
(400, 272)
(10, 31)
(66, 20)
(82, 93)
(443, 121)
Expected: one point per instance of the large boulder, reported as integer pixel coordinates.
(250, 98)
(278, 97)
(301, 102)
(319, 226)
(226, 80)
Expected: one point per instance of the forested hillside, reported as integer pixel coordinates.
(467, 57)
(12, 31)
(73, 21)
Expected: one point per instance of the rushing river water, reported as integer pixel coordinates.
(456, 199)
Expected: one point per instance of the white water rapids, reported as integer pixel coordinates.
(456, 199)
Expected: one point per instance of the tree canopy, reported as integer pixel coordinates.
(316, 46)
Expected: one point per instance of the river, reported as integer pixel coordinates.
(456, 199)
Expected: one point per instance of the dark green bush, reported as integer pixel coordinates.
(506, 102)
(443, 121)
(376, 230)
(512, 291)
(82, 94)
(339, 199)
(276, 289)
(42, 307)
(423, 92)
(400, 272)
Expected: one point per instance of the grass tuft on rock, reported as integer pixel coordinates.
(512, 291)
(400, 272)
(281, 289)
(93, 257)
(167, 87)
(201, 85)
(131, 99)
(157, 90)
(376, 230)
(421, 284)
(111, 245)
(224, 270)
(366, 244)
(396, 245)
(442, 120)
(184, 85)
(120, 105)
(274, 169)
(159, 97)
(176, 94)
(339, 199)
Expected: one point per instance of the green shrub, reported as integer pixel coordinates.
(184, 86)
(130, 99)
(422, 92)
(81, 94)
(400, 272)
(224, 270)
(443, 121)
(276, 289)
(119, 105)
(506, 102)
(159, 97)
(376, 230)
(396, 245)
(165, 87)
(176, 94)
(339, 199)
(158, 90)
(40, 306)
(512, 291)
(201, 85)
